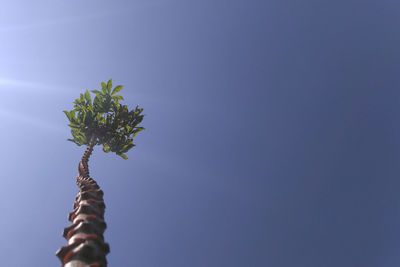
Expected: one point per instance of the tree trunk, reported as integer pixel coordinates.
(85, 242)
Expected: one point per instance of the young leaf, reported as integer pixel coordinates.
(67, 114)
(109, 86)
(106, 148)
(117, 89)
(124, 156)
(104, 87)
(117, 97)
(87, 96)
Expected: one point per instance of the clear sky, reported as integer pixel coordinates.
(272, 130)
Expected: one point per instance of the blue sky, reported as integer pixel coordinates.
(272, 130)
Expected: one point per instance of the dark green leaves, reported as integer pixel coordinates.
(112, 123)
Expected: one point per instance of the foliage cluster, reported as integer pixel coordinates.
(109, 122)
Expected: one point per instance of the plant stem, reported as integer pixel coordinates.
(83, 167)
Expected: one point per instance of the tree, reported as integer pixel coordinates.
(103, 121)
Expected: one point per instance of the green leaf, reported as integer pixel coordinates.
(109, 86)
(104, 87)
(127, 147)
(106, 148)
(117, 97)
(74, 125)
(95, 91)
(123, 156)
(117, 89)
(72, 114)
(67, 114)
(87, 96)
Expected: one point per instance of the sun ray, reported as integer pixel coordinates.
(33, 121)
(30, 86)
(80, 19)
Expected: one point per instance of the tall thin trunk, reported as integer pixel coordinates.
(83, 167)
(85, 242)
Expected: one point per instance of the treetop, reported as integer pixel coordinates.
(109, 122)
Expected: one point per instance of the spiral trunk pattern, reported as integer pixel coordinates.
(83, 167)
(85, 242)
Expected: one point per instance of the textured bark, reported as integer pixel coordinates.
(85, 242)
(83, 167)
